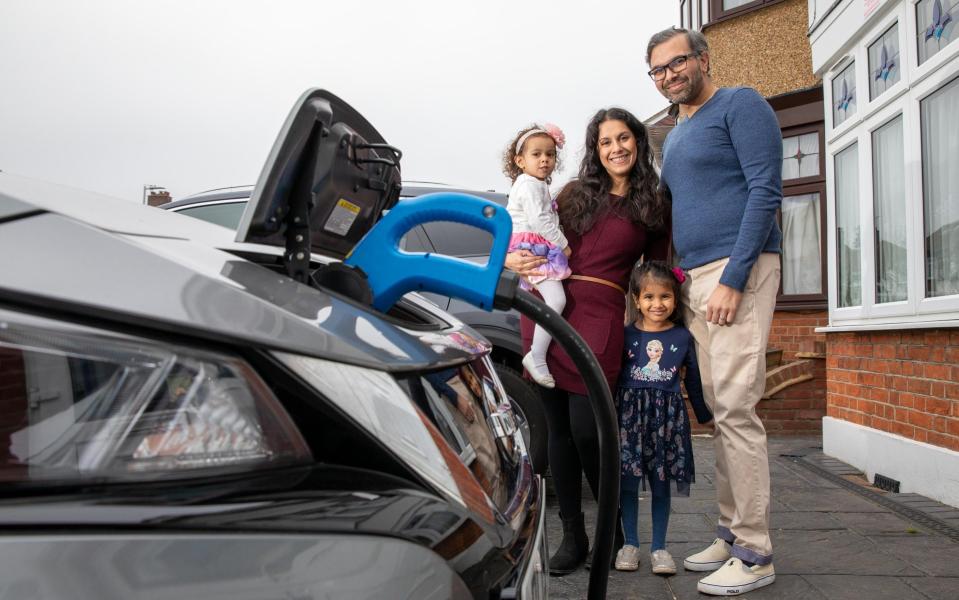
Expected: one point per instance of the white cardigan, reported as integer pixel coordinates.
(531, 209)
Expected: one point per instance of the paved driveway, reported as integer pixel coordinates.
(829, 541)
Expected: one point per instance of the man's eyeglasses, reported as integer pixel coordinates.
(676, 65)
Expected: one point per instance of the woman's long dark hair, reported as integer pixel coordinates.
(583, 200)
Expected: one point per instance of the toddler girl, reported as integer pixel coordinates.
(654, 430)
(529, 161)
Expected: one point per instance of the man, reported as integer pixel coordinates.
(722, 165)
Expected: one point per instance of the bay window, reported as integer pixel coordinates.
(893, 180)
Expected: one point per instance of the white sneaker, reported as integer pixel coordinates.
(735, 578)
(545, 379)
(662, 563)
(711, 558)
(627, 559)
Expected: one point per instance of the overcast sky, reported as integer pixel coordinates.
(112, 95)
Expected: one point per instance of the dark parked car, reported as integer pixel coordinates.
(225, 207)
(184, 418)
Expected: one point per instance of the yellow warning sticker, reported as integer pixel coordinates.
(342, 217)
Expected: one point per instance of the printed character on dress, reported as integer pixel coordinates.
(654, 429)
(529, 161)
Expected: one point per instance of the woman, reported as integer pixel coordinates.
(612, 215)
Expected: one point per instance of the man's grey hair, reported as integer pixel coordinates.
(697, 41)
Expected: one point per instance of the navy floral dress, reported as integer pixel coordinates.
(654, 429)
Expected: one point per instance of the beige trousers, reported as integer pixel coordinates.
(732, 363)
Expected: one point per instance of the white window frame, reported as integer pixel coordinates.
(935, 62)
(903, 98)
(898, 88)
(860, 72)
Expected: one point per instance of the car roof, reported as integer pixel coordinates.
(410, 189)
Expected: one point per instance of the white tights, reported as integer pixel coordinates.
(555, 298)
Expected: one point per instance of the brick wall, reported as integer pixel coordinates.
(794, 332)
(798, 409)
(901, 382)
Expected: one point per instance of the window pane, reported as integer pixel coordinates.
(802, 244)
(884, 62)
(940, 189)
(227, 215)
(844, 95)
(889, 207)
(801, 156)
(731, 4)
(848, 242)
(936, 25)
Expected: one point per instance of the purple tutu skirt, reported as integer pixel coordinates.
(556, 266)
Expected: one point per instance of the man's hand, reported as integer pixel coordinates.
(722, 305)
(524, 263)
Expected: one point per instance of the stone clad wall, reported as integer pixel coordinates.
(766, 49)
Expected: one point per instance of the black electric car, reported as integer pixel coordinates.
(225, 207)
(186, 415)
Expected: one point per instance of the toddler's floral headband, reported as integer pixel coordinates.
(549, 129)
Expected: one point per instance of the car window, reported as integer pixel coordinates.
(456, 239)
(416, 241)
(227, 214)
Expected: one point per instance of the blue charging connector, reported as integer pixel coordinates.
(391, 272)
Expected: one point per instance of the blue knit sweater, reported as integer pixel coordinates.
(723, 168)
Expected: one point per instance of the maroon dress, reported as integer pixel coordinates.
(596, 311)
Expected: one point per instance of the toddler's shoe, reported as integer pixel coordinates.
(627, 559)
(662, 563)
(735, 578)
(709, 559)
(545, 379)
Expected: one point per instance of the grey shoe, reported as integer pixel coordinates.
(627, 559)
(662, 563)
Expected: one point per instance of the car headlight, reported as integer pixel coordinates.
(376, 402)
(86, 403)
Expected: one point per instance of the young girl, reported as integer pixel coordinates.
(654, 434)
(529, 161)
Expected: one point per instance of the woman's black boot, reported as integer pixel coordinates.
(572, 551)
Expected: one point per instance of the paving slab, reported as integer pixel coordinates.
(858, 587)
(823, 499)
(935, 588)
(805, 521)
(841, 552)
(932, 554)
(878, 523)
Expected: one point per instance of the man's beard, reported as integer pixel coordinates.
(694, 85)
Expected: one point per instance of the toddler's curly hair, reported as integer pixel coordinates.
(510, 168)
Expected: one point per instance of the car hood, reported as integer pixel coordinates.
(117, 261)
